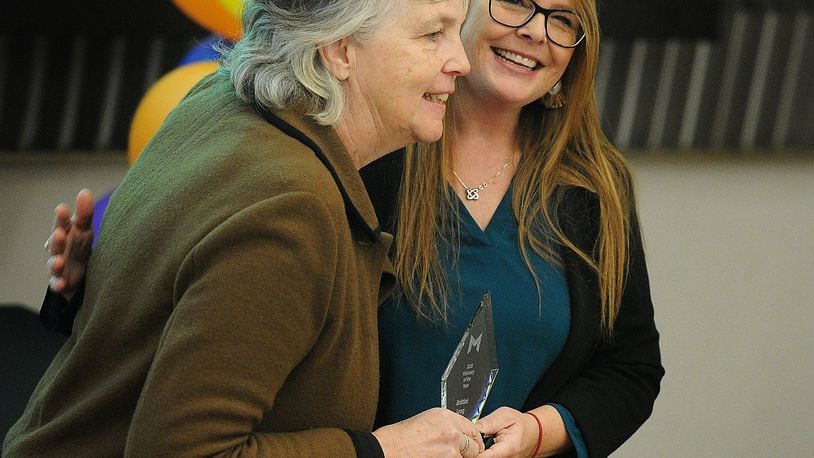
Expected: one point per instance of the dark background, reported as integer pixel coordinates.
(39, 41)
(649, 18)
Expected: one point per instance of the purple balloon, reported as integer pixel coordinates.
(98, 213)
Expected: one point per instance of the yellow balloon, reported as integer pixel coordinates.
(212, 15)
(160, 100)
(235, 7)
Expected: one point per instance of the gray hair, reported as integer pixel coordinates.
(277, 61)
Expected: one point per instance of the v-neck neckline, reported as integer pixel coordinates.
(497, 224)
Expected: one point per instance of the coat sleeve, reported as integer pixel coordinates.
(614, 392)
(58, 314)
(250, 302)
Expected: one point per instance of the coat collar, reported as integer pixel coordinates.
(328, 148)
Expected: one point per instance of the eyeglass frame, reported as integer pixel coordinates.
(545, 12)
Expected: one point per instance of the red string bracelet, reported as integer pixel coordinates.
(539, 435)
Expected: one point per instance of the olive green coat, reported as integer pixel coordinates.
(230, 304)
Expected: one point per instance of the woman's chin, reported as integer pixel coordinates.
(429, 126)
(429, 133)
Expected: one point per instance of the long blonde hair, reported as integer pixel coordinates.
(563, 147)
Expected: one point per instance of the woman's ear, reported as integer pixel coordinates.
(337, 57)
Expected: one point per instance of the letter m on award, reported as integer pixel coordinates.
(473, 367)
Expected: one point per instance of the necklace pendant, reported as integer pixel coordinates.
(472, 194)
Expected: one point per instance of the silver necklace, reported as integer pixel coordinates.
(473, 193)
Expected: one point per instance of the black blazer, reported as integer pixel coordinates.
(609, 386)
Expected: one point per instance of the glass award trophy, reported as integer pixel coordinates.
(471, 371)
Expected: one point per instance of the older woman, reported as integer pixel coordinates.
(525, 198)
(243, 318)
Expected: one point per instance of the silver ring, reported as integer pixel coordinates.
(47, 242)
(466, 444)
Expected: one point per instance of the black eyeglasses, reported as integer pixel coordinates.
(562, 27)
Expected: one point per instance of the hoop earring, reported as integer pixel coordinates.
(554, 98)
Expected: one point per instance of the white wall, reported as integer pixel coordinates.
(730, 246)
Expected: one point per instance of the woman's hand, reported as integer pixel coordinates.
(69, 245)
(517, 433)
(435, 432)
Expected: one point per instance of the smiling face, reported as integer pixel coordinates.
(400, 79)
(513, 66)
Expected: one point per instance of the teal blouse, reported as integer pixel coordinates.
(530, 334)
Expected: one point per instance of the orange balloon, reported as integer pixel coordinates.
(212, 15)
(234, 7)
(160, 100)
